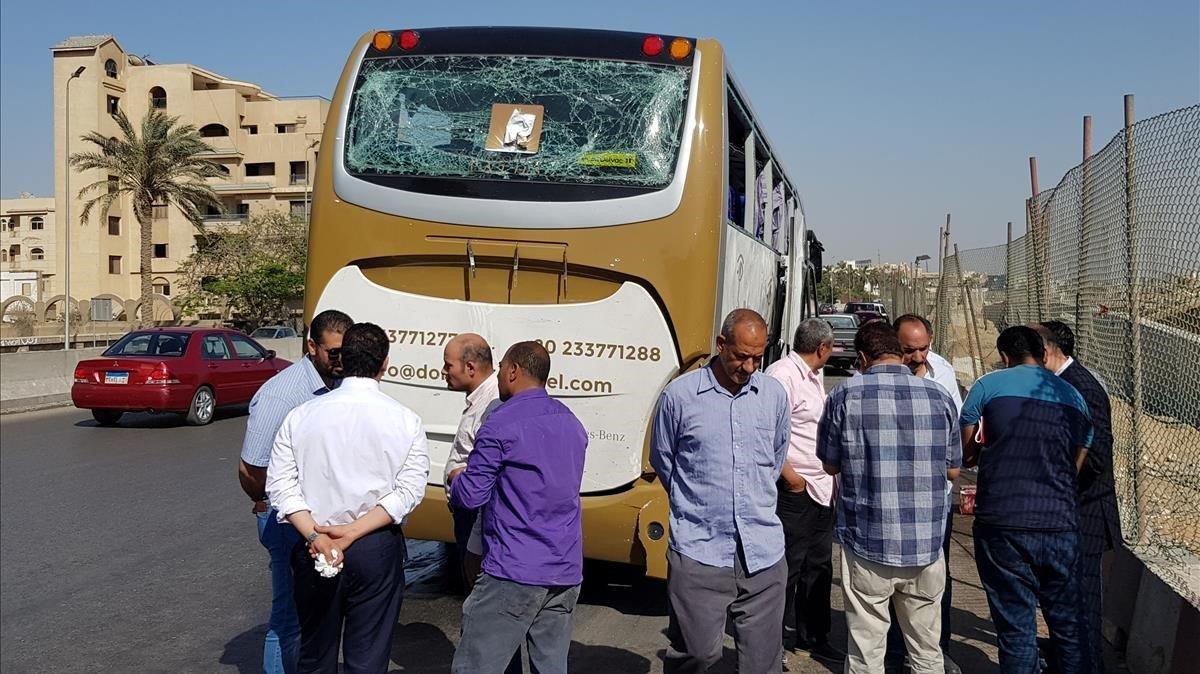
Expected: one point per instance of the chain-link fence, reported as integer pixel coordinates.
(1113, 251)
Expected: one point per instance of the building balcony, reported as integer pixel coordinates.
(220, 152)
(224, 219)
(226, 188)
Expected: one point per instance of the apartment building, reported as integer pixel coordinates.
(266, 145)
(28, 250)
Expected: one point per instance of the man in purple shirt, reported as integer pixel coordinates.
(527, 469)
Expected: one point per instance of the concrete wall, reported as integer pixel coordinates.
(32, 379)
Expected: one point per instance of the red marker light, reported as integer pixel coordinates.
(652, 45)
(409, 39)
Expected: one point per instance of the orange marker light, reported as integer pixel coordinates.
(382, 41)
(680, 48)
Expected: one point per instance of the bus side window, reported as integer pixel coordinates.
(737, 132)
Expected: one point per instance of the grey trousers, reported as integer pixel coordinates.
(701, 598)
(499, 615)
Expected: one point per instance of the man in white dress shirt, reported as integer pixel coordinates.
(467, 366)
(916, 336)
(345, 470)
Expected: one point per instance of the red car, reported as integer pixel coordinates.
(187, 370)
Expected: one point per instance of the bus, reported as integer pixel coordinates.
(609, 194)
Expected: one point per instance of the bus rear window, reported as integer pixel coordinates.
(602, 122)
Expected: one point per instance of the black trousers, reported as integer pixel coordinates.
(356, 609)
(808, 549)
(895, 640)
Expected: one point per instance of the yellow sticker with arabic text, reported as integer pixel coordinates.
(609, 159)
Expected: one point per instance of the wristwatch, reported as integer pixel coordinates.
(312, 537)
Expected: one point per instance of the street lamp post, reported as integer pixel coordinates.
(916, 276)
(67, 218)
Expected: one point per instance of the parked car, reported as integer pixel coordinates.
(191, 371)
(877, 307)
(845, 326)
(865, 317)
(827, 309)
(273, 332)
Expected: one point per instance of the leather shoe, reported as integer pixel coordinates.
(824, 651)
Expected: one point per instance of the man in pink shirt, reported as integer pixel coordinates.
(805, 492)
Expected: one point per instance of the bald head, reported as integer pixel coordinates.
(742, 319)
(466, 362)
(740, 348)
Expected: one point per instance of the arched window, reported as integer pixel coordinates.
(213, 131)
(110, 68)
(36, 222)
(3, 255)
(158, 98)
(14, 252)
(37, 254)
(162, 286)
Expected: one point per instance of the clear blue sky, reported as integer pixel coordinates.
(888, 114)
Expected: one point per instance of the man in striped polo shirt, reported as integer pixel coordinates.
(315, 374)
(1036, 431)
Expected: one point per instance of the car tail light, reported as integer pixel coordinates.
(161, 375)
(81, 375)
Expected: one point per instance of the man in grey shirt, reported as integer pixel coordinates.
(720, 437)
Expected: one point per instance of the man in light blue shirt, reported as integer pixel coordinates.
(720, 438)
(313, 375)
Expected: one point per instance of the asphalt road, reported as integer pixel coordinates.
(133, 549)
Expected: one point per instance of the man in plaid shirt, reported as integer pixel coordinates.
(893, 439)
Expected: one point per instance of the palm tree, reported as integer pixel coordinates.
(161, 165)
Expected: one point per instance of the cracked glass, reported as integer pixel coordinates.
(605, 122)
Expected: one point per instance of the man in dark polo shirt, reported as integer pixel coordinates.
(1036, 431)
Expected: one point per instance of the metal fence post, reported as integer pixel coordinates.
(1083, 326)
(1135, 325)
(966, 312)
(972, 325)
(1008, 278)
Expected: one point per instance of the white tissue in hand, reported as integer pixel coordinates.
(327, 569)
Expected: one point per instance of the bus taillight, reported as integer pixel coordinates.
(680, 48)
(652, 45)
(382, 41)
(409, 39)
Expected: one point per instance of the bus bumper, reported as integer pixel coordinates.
(629, 526)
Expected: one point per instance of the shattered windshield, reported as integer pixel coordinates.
(539, 119)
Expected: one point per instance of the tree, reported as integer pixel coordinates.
(255, 271)
(159, 165)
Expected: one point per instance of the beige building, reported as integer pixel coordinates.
(28, 255)
(266, 144)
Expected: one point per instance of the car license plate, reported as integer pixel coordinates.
(116, 377)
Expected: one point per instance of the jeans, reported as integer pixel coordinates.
(1021, 570)
(500, 615)
(281, 650)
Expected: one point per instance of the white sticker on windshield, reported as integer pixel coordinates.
(515, 128)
